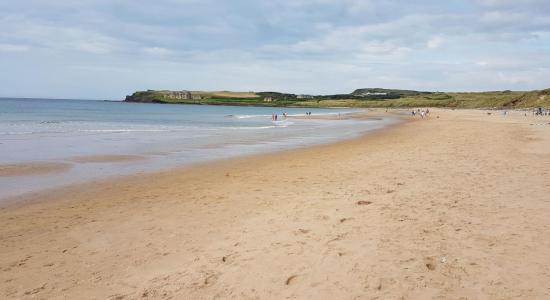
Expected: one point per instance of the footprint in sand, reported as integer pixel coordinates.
(430, 263)
(364, 202)
(290, 279)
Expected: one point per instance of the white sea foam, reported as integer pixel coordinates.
(252, 116)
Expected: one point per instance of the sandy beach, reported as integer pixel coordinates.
(456, 206)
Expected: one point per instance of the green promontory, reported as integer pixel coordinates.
(368, 97)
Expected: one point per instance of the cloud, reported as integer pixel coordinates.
(55, 37)
(309, 46)
(435, 42)
(13, 48)
(157, 51)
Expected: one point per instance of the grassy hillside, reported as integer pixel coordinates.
(505, 99)
(359, 98)
(389, 93)
(227, 94)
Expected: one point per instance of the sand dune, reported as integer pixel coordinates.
(456, 206)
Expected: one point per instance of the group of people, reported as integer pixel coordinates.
(539, 111)
(421, 113)
(275, 117)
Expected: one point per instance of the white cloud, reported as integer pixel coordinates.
(13, 48)
(278, 44)
(157, 51)
(58, 37)
(435, 42)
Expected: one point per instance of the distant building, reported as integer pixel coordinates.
(304, 97)
(268, 99)
(196, 97)
(183, 95)
(375, 94)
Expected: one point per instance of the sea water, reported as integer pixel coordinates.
(162, 135)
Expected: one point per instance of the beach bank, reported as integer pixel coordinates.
(451, 206)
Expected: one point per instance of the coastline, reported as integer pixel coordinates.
(19, 180)
(396, 116)
(427, 208)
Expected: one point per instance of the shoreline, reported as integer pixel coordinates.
(33, 196)
(429, 208)
(47, 167)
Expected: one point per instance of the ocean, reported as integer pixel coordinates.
(161, 135)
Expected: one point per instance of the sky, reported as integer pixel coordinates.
(106, 49)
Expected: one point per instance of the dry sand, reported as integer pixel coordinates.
(450, 207)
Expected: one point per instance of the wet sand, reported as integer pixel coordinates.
(106, 158)
(449, 207)
(38, 168)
